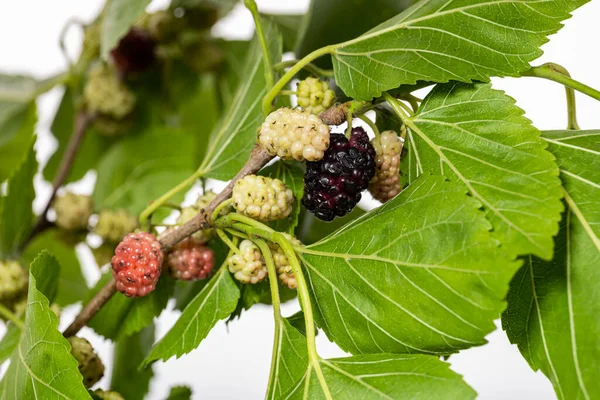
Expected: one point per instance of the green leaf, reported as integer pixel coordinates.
(118, 17)
(72, 286)
(41, 366)
(293, 176)
(199, 113)
(129, 352)
(180, 393)
(419, 274)
(290, 361)
(92, 148)
(17, 120)
(123, 316)
(158, 152)
(553, 312)
(443, 40)
(235, 135)
(478, 136)
(16, 215)
(216, 301)
(312, 229)
(289, 26)
(334, 21)
(375, 376)
(234, 56)
(9, 342)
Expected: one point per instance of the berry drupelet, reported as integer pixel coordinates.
(333, 185)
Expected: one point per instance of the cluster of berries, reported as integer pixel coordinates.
(248, 265)
(338, 169)
(138, 260)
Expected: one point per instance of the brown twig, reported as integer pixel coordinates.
(91, 308)
(338, 113)
(258, 159)
(82, 122)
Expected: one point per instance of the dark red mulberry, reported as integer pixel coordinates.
(135, 52)
(333, 185)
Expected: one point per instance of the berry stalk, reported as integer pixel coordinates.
(549, 71)
(270, 96)
(269, 78)
(9, 315)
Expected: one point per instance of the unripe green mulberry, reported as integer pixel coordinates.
(91, 40)
(187, 213)
(107, 95)
(90, 366)
(314, 95)
(283, 267)
(108, 394)
(249, 265)
(73, 211)
(294, 135)
(13, 282)
(112, 226)
(262, 198)
(385, 185)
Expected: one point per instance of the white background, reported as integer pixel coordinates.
(233, 362)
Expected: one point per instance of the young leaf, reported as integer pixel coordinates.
(419, 274)
(443, 40)
(293, 177)
(119, 16)
(41, 366)
(216, 301)
(334, 21)
(123, 316)
(375, 376)
(129, 352)
(180, 393)
(553, 312)
(16, 215)
(72, 286)
(479, 137)
(235, 135)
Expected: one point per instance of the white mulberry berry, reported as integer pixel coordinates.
(262, 198)
(314, 95)
(112, 226)
(187, 213)
(90, 365)
(13, 282)
(294, 134)
(105, 94)
(248, 266)
(385, 185)
(284, 270)
(72, 211)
